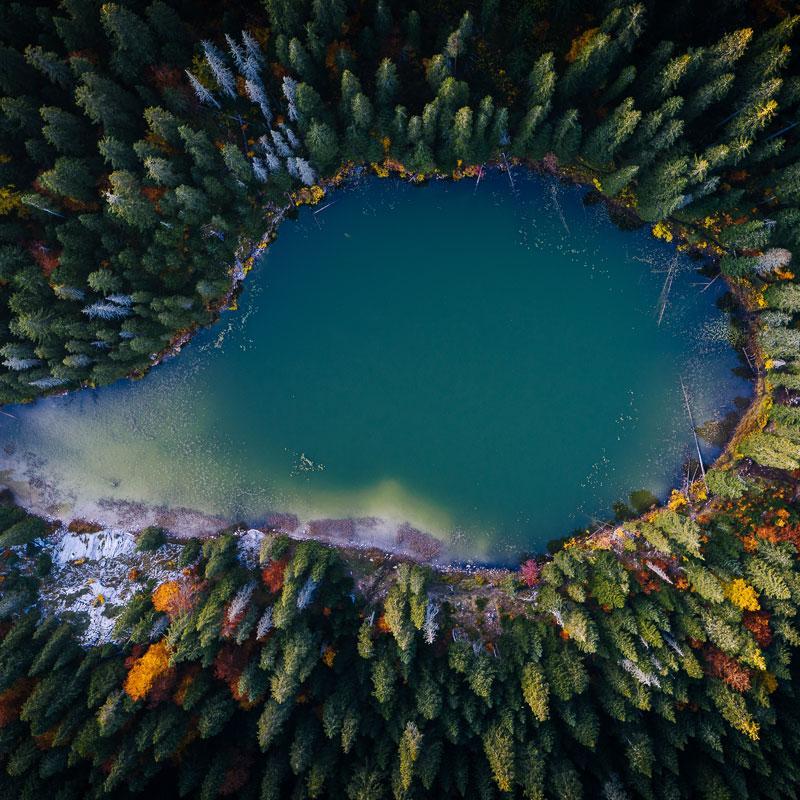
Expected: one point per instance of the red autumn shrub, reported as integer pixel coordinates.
(530, 572)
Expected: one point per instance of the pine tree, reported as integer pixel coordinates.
(301, 62)
(660, 189)
(567, 134)
(524, 142)
(462, 134)
(322, 145)
(408, 751)
(68, 133)
(70, 178)
(219, 69)
(498, 745)
(436, 71)
(107, 104)
(542, 81)
(134, 44)
(535, 691)
(50, 65)
(588, 67)
(386, 85)
(126, 201)
(606, 138)
(614, 183)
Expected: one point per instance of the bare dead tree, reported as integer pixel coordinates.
(710, 283)
(508, 171)
(663, 298)
(554, 195)
(749, 360)
(480, 175)
(694, 431)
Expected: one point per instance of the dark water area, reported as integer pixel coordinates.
(485, 363)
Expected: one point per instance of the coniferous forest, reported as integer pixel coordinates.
(145, 148)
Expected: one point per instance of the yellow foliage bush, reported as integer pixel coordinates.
(676, 500)
(662, 231)
(308, 195)
(755, 658)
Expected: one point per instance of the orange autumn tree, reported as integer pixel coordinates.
(758, 624)
(146, 670)
(173, 597)
(165, 596)
(272, 575)
(722, 666)
(328, 656)
(11, 700)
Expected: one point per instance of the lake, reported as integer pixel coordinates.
(483, 361)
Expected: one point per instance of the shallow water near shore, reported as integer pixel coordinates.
(484, 362)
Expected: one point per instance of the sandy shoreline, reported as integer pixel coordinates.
(35, 494)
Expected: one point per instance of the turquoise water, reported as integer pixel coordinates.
(484, 362)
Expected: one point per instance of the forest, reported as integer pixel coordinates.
(655, 662)
(146, 147)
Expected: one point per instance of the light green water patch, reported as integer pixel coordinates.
(485, 363)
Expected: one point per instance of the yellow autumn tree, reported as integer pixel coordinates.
(742, 595)
(146, 669)
(9, 200)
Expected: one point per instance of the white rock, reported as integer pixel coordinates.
(93, 546)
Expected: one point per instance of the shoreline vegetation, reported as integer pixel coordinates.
(655, 659)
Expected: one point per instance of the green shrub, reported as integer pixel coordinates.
(192, 550)
(44, 563)
(151, 539)
(642, 500)
(9, 515)
(23, 532)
